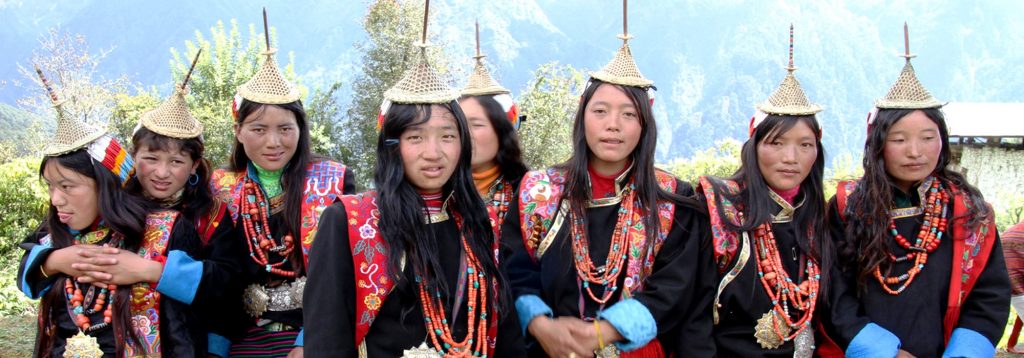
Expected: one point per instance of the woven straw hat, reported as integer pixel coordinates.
(481, 83)
(908, 93)
(71, 134)
(622, 69)
(421, 85)
(789, 99)
(268, 85)
(172, 118)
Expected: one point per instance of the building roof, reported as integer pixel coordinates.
(972, 119)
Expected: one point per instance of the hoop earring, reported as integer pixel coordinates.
(193, 179)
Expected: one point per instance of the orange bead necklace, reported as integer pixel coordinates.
(928, 239)
(256, 222)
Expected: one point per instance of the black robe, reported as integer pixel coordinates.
(181, 333)
(744, 300)
(330, 297)
(678, 293)
(228, 269)
(916, 314)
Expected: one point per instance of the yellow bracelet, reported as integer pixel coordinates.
(600, 340)
(43, 272)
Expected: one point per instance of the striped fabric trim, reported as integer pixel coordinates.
(260, 343)
(1013, 251)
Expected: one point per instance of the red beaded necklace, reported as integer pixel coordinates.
(501, 199)
(256, 222)
(785, 293)
(96, 301)
(607, 275)
(475, 343)
(928, 239)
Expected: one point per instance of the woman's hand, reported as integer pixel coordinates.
(108, 265)
(62, 260)
(555, 336)
(295, 353)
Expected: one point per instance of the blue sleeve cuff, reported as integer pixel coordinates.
(29, 264)
(873, 341)
(299, 337)
(968, 343)
(529, 307)
(633, 321)
(217, 344)
(181, 277)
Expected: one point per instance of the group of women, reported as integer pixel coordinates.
(460, 250)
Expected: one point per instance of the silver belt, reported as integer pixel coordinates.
(288, 296)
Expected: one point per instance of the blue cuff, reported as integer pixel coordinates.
(873, 341)
(181, 277)
(29, 263)
(633, 321)
(217, 344)
(967, 343)
(529, 307)
(298, 338)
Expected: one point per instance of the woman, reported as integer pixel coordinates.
(606, 257)
(768, 221)
(170, 169)
(924, 273)
(408, 269)
(497, 158)
(271, 196)
(92, 221)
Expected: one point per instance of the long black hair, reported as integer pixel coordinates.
(578, 191)
(510, 154)
(293, 179)
(401, 206)
(196, 198)
(757, 204)
(124, 214)
(869, 234)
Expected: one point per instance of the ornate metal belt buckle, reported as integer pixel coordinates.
(423, 351)
(297, 288)
(256, 300)
(765, 331)
(609, 351)
(82, 346)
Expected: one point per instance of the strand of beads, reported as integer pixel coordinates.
(928, 239)
(256, 222)
(502, 199)
(783, 292)
(475, 342)
(607, 275)
(77, 303)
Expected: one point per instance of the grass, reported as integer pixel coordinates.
(17, 337)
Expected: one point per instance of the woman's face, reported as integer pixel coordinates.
(912, 149)
(786, 160)
(269, 136)
(73, 195)
(485, 139)
(163, 173)
(430, 151)
(612, 127)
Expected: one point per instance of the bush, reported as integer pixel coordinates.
(22, 208)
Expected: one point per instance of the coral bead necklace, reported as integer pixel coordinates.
(607, 275)
(928, 239)
(475, 343)
(783, 291)
(256, 222)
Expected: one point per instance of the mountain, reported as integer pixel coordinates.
(711, 61)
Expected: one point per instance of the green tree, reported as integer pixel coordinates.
(549, 101)
(321, 111)
(392, 27)
(125, 115)
(721, 161)
(844, 167)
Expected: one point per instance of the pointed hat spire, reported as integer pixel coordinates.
(268, 85)
(789, 98)
(907, 92)
(172, 118)
(622, 69)
(72, 134)
(480, 82)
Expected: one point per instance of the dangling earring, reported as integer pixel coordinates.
(193, 179)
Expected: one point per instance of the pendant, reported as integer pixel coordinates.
(420, 352)
(256, 300)
(765, 330)
(82, 346)
(803, 344)
(609, 351)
